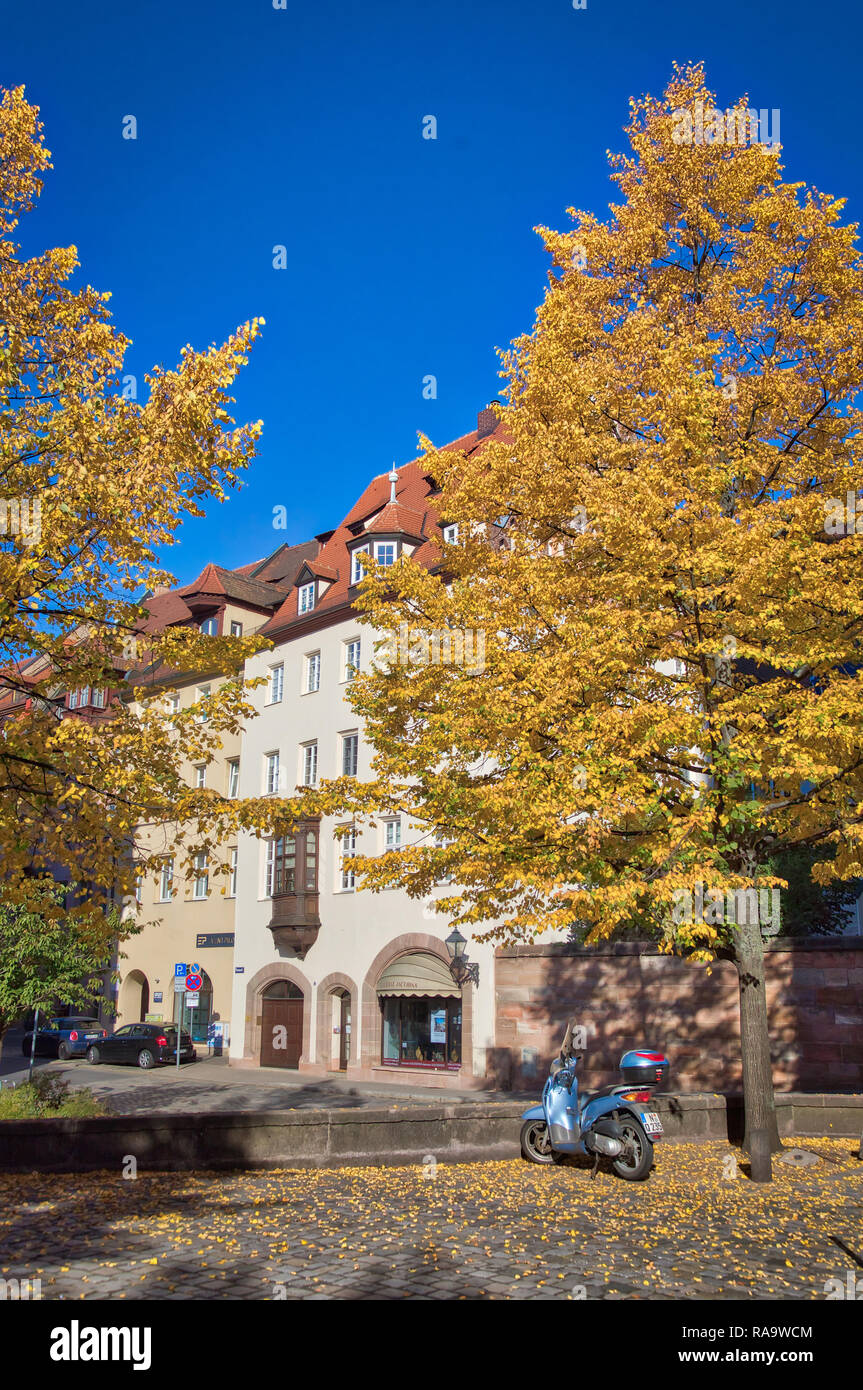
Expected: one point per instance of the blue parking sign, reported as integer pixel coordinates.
(180, 971)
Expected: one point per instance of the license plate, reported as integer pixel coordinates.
(651, 1121)
(89, 1037)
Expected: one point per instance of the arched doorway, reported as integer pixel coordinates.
(421, 1013)
(281, 1024)
(340, 1001)
(136, 997)
(196, 1021)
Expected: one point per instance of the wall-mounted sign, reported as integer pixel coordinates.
(239, 970)
(223, 938)
(157, 997)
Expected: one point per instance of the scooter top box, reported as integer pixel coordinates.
(644, 1068)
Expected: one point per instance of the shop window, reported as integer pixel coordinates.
(421, 1032)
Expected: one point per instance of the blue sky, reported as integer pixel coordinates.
(406, 257)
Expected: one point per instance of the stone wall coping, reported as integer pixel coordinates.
(460, 1132)
(466, 1110)
(820, 1102)
(255, 1119)
(647, 948)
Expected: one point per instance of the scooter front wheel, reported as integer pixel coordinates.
(535, 1142)
(636, 1160)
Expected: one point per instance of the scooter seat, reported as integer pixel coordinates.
(605, 1091)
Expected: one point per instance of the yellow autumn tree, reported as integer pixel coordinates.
(93, 486)
(668, 595)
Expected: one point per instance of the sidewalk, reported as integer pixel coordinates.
(211, 1085)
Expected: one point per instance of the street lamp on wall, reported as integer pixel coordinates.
(460, 967)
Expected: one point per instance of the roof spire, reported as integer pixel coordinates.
(393, 479)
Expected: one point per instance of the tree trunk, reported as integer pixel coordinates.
(755, 1035)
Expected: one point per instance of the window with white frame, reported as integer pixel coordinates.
(393, 833)
(271, 773)
(268, 875)
(139, 886)
(352, 658)
(450, 534)
(233, 779)
(441, 841)
(202, 695)
(172, 700)
(350, 754)
(306, 599)
(166, 881)
(347, 850)
(313, 672)
(357, 570)
(201, 775)
(310, 764)
(232, 882)
(385, 552)
(276, 684)
(99, 697)
(210, 626)
(201, 876)
(236, 629)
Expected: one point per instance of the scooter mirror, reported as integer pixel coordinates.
(575, 1040)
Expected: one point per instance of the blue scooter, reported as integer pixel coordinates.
(615, 1122)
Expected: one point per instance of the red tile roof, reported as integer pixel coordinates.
(413, 514)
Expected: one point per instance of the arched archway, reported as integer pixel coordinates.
(196, 1021)
(256, 990)
(135, 997)
(281, 1024)
(372, 1021)
(337, 1035)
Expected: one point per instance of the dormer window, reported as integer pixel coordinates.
(357, 570)
(385, 552)
(306, 600)
(450, 535)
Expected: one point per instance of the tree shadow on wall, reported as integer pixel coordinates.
(629, 996)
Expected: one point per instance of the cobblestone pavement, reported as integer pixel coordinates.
(488, 1230)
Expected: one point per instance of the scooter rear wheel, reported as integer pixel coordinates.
(535, 1143)
(637, 1159)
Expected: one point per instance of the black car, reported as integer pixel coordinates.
(143, 1045)
(63, 1037)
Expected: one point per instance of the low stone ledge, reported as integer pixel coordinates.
(692, 1115)
(448, 1133)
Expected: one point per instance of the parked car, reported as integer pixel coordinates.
(64, 1037)
(142, 1044)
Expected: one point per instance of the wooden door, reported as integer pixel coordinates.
(281, 1032)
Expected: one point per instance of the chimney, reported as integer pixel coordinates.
(486, 421)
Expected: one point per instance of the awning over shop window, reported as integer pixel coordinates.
(418, 973)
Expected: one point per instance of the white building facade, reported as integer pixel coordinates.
(328, 977)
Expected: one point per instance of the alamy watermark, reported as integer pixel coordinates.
(21, 516)
(850, 1288)
(17, 1289)
(738, 125)
(720, 906)
(449, 646)
(844, 518)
